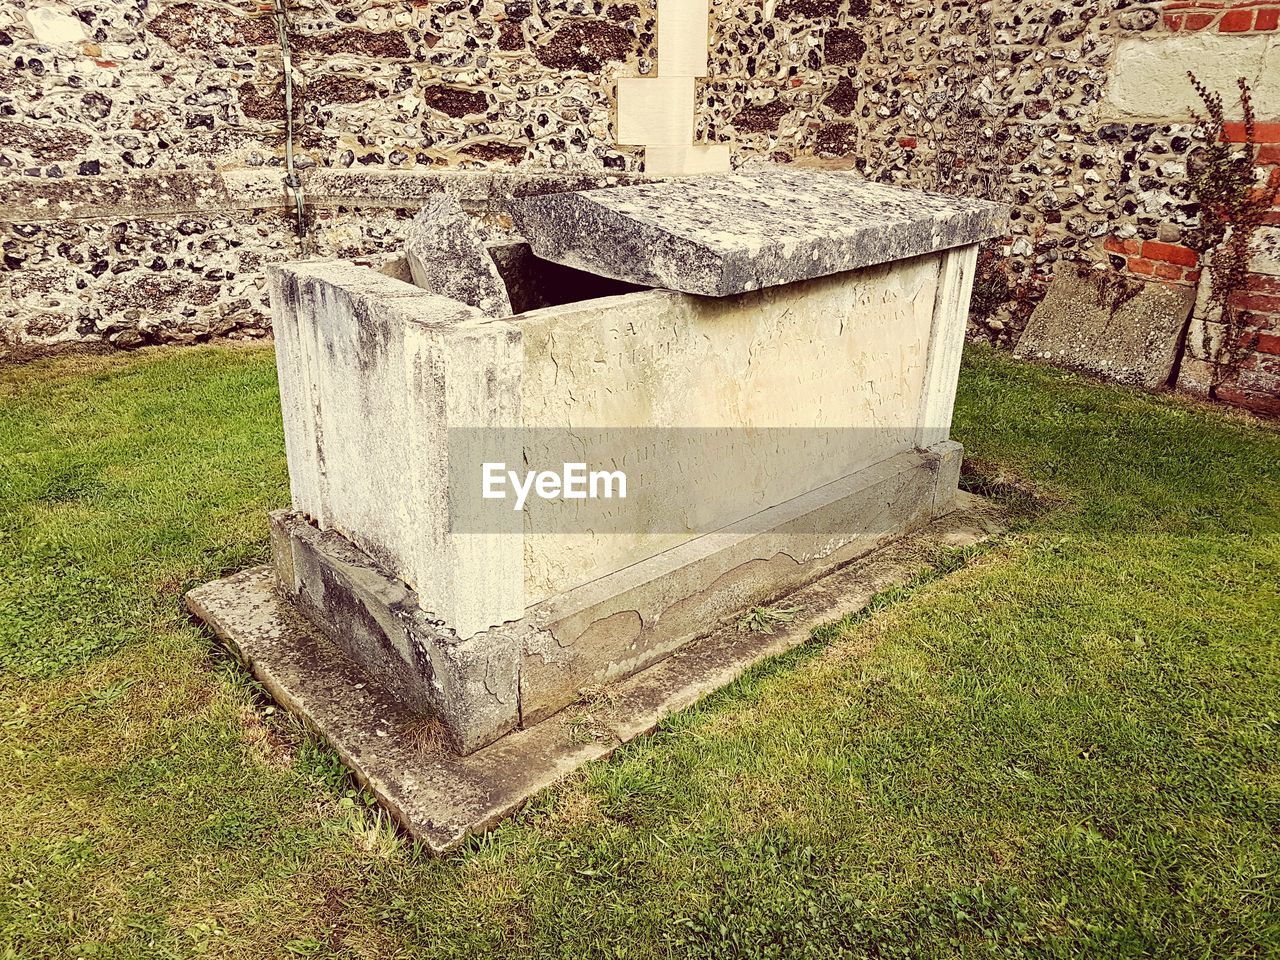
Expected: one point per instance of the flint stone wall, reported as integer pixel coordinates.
(141, 143)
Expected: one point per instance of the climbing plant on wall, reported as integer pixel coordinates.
(1225, 183)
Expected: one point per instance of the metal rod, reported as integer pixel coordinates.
(291, 178)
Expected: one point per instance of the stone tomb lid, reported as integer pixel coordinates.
(722, 234)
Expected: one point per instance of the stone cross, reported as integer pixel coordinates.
(658, 112)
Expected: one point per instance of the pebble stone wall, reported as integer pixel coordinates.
(142, 141)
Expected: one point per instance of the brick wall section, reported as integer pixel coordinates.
(1227, 17)
(1156, 259)
(1256, 386)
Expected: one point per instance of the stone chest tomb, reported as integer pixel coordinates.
(770, 361)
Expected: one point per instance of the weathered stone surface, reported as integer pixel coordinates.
(470, 684)
(723, 234)
(482, 191)
(845, 46)
(1009, 100)
(837, 139)
(189, 26)
(52, 26)
(44, 142)
(1122, 329)
(447, 256)
(373, 374)
(836, 363)
(510, 36)
(809, 9)
(843, 97)
(454, 101)
(586, 45)
(1252, 382)
(386, 45)
(956, 275)
(442, 798)
(1264, 252)
(340, 89)
(264, 103)
(762, 116)
(1149, 78)
(642, 613)
(611, 627)
(495, 151)
(606, 629)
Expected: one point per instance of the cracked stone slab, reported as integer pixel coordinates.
(723, 234)
(447, 256)
(442, 799)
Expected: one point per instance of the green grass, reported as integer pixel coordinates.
(1069, 745)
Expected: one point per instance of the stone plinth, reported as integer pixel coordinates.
(442, 797)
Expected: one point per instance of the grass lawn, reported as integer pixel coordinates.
(1069, 746)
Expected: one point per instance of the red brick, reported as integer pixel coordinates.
(1269, 153)
(1236, 21)
(909, 143)
(1260, 321)
(1268, 19)
(1268, 343)
(1262, 132)
(1248, 337)
(1191, 276)
(1170, 253)
(1116, 245)
(1172, 22)
(1198, 21)
(1261, 283)
(1260, 302)
(1144, 267)
(1168, 271)
(1269, 364)
(1257, 402)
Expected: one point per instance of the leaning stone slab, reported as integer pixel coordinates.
(447, 256)
(442, 798)
(724, 234)
(1115, 327)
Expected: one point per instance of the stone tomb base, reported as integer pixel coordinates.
(442, 797)
(514, 674)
